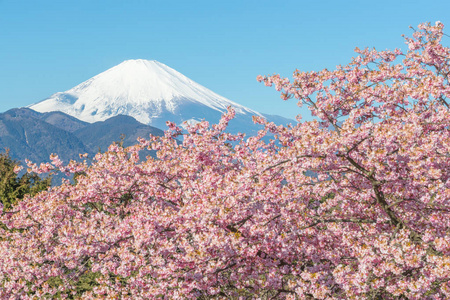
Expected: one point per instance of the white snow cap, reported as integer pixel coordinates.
(143, 89)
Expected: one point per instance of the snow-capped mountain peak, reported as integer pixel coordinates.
(147, 90)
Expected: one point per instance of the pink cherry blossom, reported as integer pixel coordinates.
(352, 205)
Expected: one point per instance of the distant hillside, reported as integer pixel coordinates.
(32, 135)
(102, 134)
(28, 136)
(63, 121)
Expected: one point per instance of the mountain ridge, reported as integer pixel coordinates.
(32, 135)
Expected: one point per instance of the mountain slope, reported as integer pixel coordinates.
(119, 128)
(149, 91)
(34, 136)
(63, 121)
(28, 136)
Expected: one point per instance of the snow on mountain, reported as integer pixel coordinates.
(149, 91)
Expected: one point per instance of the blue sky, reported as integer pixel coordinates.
(51, 46)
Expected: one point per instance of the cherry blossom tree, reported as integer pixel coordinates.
(353, 205)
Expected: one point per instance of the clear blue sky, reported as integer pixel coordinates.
(51, 46)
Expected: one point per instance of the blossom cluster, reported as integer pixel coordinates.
(352, 205)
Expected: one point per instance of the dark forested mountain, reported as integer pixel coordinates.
(63, 121)
(27, 135)
(119, 128)
(32, 135)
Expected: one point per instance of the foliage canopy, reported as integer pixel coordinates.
(225, 216)
(14, 188)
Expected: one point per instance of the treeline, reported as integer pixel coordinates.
(14, 187)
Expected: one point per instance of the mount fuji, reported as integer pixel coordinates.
(152, 93)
